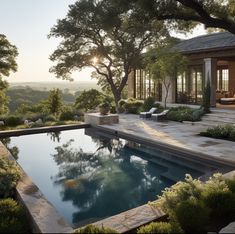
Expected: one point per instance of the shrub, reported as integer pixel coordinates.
(226, 131)
(148, 103)
(160, 227)
(93, 229)
(34, 116)
(221, 204)
(192, 216)
(13, 120)
(9, 176)
(12, 217)
(133, 106)
(50, 118)
(121, 102)
(183, 113)
(67, 115)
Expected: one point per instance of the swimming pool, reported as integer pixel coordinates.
(89, 177)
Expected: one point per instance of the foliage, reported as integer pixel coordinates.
(94, 229)
(186, 201)
(221, 204)
(89, 99)
(26, 99)
(148, 103)
(12, 120)
(9, 176)
(184, 113)
(12, 217)
(206, 103)
(160, 227)
(192, 216)
(67, 115)
(98, 35)
(226, 132)
(165, 64)
(132, 106)
(184, 15)
(54, 102)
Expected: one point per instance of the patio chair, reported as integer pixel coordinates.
(148, 114)
(160, 116)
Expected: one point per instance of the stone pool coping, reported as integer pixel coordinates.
(27, 131)
(184, 153)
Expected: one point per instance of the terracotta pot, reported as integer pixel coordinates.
(104, 110)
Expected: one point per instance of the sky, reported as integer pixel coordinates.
(27, 23)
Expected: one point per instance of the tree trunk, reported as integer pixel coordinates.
(117, 98)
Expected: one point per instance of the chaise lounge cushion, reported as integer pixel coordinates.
(148, 114)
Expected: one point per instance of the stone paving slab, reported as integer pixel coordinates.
(132, 219)
(181, 135)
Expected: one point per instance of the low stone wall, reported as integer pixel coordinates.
(95, 119)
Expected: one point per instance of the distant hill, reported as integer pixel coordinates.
(33, 92)
(66, 86)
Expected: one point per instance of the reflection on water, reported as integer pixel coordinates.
(105, 182)
(88, 178)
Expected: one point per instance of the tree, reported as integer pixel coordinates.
(165, 64)
(211, 13)
(89, 99)
(8, 54)
(54, 101)
(96, 34)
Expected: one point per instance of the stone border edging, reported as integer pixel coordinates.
(184, 153)
(27, 131)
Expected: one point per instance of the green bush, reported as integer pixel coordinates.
(12, 217)
(121, 102)
(231, 184)
(226, 131)
(221, 204)
(89, 229)
(159, 227)
(133, 106)
(67, 115)
(13, 120)
(49, 118)
(192, 215)
(34, 116)
(9, 176)
(183, 113)
(148, 103)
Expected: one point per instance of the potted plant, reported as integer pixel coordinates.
(104, 108)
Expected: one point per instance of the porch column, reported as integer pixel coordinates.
(210, 72)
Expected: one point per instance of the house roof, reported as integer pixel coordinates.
(207, 42)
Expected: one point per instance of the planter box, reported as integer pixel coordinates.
(95, 119)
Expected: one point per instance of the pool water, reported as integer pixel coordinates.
(89, 178)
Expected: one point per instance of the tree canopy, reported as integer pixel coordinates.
(165, 63)
(103, 36)
(8, 54)
(211, 13)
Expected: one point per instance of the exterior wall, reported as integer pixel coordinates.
(231, 67)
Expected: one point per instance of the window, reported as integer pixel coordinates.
(223, 79)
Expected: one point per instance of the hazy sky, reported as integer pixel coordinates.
(26, 23)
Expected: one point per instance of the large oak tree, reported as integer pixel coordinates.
(211, 13)
(101, 35)
(8, 54)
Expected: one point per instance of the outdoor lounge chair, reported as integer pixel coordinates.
(148, 114)
(160, 116)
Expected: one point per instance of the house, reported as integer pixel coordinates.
(210, 57)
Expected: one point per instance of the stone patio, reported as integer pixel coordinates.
(182, 135)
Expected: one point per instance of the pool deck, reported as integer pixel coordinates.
(181, 135)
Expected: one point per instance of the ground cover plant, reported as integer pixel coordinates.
(184, 113)
(12, 215)
(199, 207)
(225, 132)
